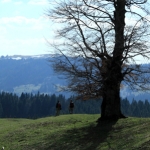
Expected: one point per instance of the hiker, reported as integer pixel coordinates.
(58, 108)
(71, 107)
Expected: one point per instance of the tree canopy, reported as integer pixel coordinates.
(100, 43)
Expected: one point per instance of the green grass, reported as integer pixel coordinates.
(75, 132)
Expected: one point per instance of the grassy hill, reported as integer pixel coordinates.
(75, 132)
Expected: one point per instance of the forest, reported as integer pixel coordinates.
(42, 105)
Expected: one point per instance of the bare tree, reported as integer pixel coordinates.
(100, 41)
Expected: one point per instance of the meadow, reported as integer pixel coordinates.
(75, 132)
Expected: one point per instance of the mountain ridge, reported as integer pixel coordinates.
(32, 74)
(28, 74)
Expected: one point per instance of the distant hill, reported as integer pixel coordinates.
(31, 74)
(28, 74)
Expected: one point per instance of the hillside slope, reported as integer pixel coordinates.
(76, 132)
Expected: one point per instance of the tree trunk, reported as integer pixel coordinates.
(111, 107)
(111, 104)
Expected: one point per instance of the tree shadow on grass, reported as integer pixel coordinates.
(86, 138)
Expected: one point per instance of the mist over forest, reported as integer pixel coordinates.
(33, 74)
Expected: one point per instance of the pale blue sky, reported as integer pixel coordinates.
(24, 27)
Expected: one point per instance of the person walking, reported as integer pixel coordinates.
(58, 108)
(71, 107)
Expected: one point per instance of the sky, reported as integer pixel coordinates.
(24, 27)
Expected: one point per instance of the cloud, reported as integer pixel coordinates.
(38, 2)
(16, 19)
(23, 21)
(24, 42)
(24, 27)
(22, 35)
(6, 1)
(18, 3)
(24, 46)
(19, 26)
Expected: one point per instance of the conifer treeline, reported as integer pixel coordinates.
(42, 105)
